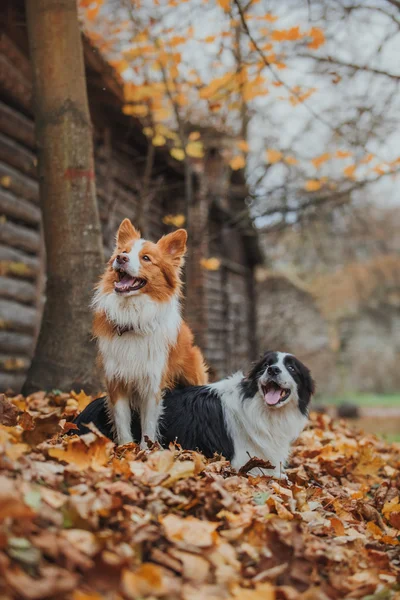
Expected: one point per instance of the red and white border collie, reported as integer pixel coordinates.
(144, 344)
(259, 414)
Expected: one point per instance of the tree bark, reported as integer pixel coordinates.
(65, 355)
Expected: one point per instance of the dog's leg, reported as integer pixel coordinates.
(122, 420)
(149, 418)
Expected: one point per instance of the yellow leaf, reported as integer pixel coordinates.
(5, 181)
(195, 135)
(158, 140)
(195, 149)
(225, 4)
(175, 220)
(273, 156)
(370, 462)
(82, 399)
(391, 506)
(210, 264)
(312, 185)
(238, 162)
(209, 39)
(262, 591)
(349, 171)
(135, 110)
(290, 160)
(177, 153)
(320, 160)
(148, 131)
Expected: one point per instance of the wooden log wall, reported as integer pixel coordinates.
(21, 277)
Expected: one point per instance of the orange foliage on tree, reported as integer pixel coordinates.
(176, 76)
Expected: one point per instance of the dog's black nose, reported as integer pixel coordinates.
(122, 258)
(273, 370)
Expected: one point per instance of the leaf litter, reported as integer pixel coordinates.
(81, 519)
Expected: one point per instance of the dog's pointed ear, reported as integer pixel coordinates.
(174, 245)
(126, 233)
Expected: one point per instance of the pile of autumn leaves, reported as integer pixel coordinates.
(81, 519)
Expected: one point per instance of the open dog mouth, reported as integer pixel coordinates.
(273, 393)
(127, 283)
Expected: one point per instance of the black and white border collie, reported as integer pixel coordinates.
(258, 415)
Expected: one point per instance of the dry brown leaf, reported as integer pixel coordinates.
(190, 531)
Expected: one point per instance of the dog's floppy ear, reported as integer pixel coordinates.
(174, 245)
(126, 233)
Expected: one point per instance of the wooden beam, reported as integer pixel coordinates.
(12, 153)
(17, 126)
(18, 208)
(11, 341)
(19, 237)
(17, 317)
(16, 289)
(19, 184)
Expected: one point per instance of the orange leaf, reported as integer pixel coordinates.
(238, 162)
(242, 145)
(290, 160)
(225, 4)
(343, 154)
(312, 185)
(273, 156)
(286, 35)
(88, 451)
(317, 36)
(350, 171)
(320, 160)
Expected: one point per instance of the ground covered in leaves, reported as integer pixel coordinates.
(81, 519)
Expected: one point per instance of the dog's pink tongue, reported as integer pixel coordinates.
(272, 397)
(125, 282)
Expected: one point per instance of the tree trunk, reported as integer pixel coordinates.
(65, 354)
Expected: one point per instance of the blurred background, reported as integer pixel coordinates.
(271, 132)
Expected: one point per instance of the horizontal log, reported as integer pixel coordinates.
(14, 84)
(20, 343)
(19, 184)
(17, 317)
(18, 263)
(15, 155)
(17, 126)
(11, 363)
(15, 289)
(18, 208)
(11, 382)
(19, 237)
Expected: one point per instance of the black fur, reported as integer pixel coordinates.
(305, 383)
(192, 416)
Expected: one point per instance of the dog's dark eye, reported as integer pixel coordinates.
(146, 258)
(291, 368)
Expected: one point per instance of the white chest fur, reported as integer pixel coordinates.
(138, 357)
